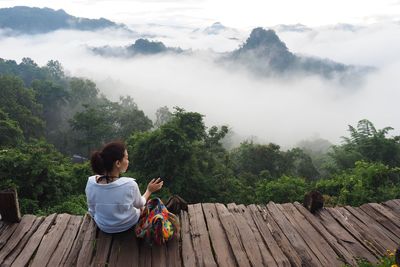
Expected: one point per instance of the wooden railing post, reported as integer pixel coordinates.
(9, 206)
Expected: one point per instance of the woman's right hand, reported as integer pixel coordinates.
(155, 185)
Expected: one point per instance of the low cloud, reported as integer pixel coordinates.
(277, 110)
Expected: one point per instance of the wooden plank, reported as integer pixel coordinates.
(305, 253)
(233, 235)
(345, 234)
(383, 220)
(125, 249)
(394, 217)
(145, 259)
(173, 253)
(85, 254)
(33, 243)
(3, 225)
(158, 253)
(9, 206)
(372, 230)
(7, 233)
(200, 239)
(188, 258)
(280, 237)
(65, 243)
(223, 252)
(103, 245)
(77, 245)
(50, 241)
(15, 252)
(392, 205)
(331, 239)
(252, 241)
(368, 233)
(276, 252)
(23, 227)
(314, 240)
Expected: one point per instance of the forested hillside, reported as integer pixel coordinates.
(50, 122)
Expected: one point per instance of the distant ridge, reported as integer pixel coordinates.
(33, 20)
(140, 47)
(265, 54)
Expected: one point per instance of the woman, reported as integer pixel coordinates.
(114, 202)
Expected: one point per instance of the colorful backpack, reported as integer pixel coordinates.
(156, 223)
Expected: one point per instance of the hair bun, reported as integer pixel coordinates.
(97, 162)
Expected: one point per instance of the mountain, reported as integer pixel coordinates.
(140, 47)
(33, 20)
(216, 28)
(265, 54)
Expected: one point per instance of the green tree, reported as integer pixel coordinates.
(129, 119)
(284, 189)
(255, 158)
(10, 131)
(94, 125)
(42, 176)
(183, 154)
(163, 115)
(20, 105)
(367, 144)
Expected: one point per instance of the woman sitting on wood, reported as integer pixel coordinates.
(115, 202)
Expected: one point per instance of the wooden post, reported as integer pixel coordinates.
(9, 206)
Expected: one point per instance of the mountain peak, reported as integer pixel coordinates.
(261, 38)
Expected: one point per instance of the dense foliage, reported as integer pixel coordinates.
(48, 118)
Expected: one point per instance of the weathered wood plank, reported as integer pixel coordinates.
(65, 243)
(331, 239)
(76, 246)
(3, 225)
(103, 245)
(250, 235)
(280, 237)
(7, 233)
(276, 252)
(188, 258)
(85, 254)
(344, 233)
(173, 253)
(383, 220)
(125, 249)
(15, 252)
(305, 253)
(246, 236)
(145, 259)
(394, 217)
(313, 239)
(382, 235)
(223, 252)
(392, 205)
(369, 219)
(34, 242)
(201, 241)
(233, 235)
(158, 253)
(50, 241)
(368, 234)
(23, 227)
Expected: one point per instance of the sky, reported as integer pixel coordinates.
(279, 110)
(233, 13)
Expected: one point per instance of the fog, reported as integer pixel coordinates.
(278, 110)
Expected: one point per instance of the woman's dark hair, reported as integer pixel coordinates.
(103, 161)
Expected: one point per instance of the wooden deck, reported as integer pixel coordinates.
(212, 235)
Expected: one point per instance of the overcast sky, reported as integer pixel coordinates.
(234, 13)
